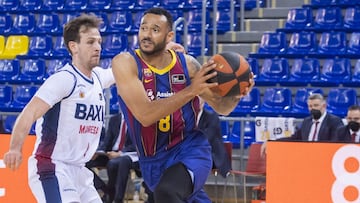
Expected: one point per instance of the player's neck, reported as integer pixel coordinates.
(82, 68)
(159, 60)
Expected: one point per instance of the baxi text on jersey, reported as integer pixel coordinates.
(89, 112)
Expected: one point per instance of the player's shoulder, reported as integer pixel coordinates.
(124, 56)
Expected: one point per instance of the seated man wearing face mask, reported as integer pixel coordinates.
(350, 133)
(319, 126)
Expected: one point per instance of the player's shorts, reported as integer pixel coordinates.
(57, 182)
(194, 152)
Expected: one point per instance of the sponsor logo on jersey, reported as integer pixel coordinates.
(164, 94)
(150, 94)
(178, 79)
(89, 112)
(148, 80)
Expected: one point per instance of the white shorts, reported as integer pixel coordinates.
(61, 183)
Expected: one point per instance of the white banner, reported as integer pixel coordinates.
(272, 128)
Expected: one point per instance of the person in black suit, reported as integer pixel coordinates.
(111, 154)
(350, 133)
(209, 122)
(319, 126)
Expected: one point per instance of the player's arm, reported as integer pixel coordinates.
(132, 91)
(222, 105)
(32, 111)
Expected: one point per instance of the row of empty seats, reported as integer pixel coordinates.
(330, 72)
(323, 19)
(342, 3)
(18, 6)
(325, 44)
(280, 101)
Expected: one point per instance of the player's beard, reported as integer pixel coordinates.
(158, 48)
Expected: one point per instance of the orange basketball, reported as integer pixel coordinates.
(233, 73)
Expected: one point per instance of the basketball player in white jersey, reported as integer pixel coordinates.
(69, 109)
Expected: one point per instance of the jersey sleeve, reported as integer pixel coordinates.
(106, 76)
(56, 87)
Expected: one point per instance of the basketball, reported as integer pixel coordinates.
(233, 73)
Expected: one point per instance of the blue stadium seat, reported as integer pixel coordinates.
(9, 123)
(133, 41)
(59, 49)
(96, 5)
(136, 22)
(66, 17)
(355, 79)
(299, 19)
(328, 18)
(172, 4)
(114, 44)
(33, 71)
(9, 5)
(352, 18)
(23, 23)
(334, 72)
(48, 23)
(273, 71)
(114, 100)
(275, 101)
(225, 129)
(332, 43)
(146, 4)
(321, 3)
(105, 24)
(120, 21)
(302, 43)
(303, 72)
(40, 46)
(254, 65)
(6, 94)
(6, 23)
(105, 63)
(22, 95)
(234, 136)
(194, 19)
(249, 133)
(194, 4)
(300, 108)
(194, 44)
(347, 3)
(52, 5)
(30, 5)
(55, 65)
(354, 44)
(340, 99)
(75, 5)
(223, 17)
(272, 44)
(9, 70)
(248, 104)
(122, 5)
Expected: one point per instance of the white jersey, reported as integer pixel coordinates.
(70, 131)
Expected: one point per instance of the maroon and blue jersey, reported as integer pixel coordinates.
(162, 83)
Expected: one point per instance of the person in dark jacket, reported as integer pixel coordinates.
(350, 133)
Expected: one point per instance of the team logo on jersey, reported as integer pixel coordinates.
(147, 72)
(150, 94)
(81, 94)
(178, 79)
(100, 96)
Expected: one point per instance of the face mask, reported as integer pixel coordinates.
(354, 126)
(316, 114)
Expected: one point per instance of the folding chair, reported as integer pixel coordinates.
(256, 167)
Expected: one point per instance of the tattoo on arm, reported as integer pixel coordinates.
(196, 64)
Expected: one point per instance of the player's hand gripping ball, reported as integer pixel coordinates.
(233, 74)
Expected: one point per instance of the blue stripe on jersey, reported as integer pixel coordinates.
(48, 140)
(51, 189)
(151, 140)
